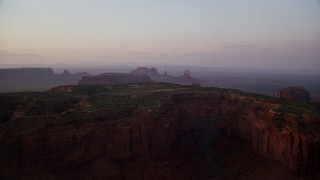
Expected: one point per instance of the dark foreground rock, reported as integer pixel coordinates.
(151, 131)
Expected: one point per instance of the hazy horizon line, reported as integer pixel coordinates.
(92, 66)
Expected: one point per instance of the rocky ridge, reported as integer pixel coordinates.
(100, 131)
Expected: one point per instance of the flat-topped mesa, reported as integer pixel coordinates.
(26, 73)
(294, 93)
(113, 78)
(36, 73)
(145, 71)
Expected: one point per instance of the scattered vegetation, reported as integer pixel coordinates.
(64, 106)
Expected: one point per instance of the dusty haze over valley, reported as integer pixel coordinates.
(278, 35)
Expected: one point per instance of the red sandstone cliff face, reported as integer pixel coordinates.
(111, 136)
(112, 139)
(295, 93)
(272, 135)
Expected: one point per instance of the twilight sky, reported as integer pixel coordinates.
(279, 34)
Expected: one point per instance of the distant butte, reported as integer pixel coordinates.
(187, 74)
(185, 79)
(145, 71)
(294, 93)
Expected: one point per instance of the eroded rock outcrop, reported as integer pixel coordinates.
(185, 79)
(294, 93)
(124, 126)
